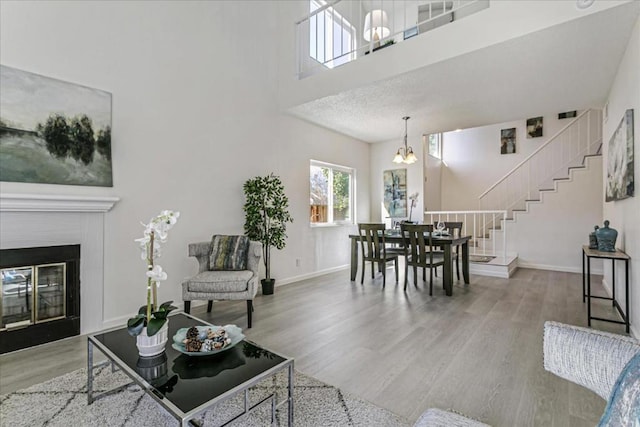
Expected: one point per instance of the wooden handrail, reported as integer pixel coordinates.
(557, 134)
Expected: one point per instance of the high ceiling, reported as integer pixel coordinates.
(566, 67)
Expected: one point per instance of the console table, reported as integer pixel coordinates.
(587, 254)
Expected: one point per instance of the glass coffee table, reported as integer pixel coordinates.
(187, 386)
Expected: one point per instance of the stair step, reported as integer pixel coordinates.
(547, 189)
(532, 200)
(518, 210)
(577, 167)
(562, 179)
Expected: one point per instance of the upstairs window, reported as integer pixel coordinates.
(331, 37)
(434, 145)
(331, 194)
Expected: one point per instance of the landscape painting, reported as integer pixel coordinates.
(395, 192)
(53, 132)
(620, 183)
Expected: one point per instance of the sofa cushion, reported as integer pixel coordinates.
(623, 408)
(228, 253)
(220, 281)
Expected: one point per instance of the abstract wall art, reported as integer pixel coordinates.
(395, 192)
(620, 183)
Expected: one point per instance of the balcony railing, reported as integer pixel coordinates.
(337, 32)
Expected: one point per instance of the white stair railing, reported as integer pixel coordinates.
(552, 160)
(480, 225)
(335, 32)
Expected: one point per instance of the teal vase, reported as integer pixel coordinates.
(606, 238)
(593, 240)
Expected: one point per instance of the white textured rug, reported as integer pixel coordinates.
(62, 401)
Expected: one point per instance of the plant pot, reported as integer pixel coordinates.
(267, 286)
(153, 346)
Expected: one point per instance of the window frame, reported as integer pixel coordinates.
(439, 137)
(335, 18)
(352, 194)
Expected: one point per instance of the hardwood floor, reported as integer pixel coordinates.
(478, 352)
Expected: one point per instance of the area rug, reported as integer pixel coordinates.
(62, 401)
(480, 258)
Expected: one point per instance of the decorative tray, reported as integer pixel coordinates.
(232, 335)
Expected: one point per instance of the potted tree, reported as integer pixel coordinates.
(267, 213)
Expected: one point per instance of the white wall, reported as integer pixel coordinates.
(195, 115)
(381, 159)
(625, 214)
(432, 183)
(472, 159)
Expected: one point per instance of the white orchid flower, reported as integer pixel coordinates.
(156, 274)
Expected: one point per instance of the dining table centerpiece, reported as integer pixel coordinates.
(151, 326)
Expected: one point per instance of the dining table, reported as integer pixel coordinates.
(441, 240)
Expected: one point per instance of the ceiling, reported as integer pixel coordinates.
(565, 67)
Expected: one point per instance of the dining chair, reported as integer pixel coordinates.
(419, 252)
(455, 230)
(374, 249)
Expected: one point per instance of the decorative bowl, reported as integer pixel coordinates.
(233, 331)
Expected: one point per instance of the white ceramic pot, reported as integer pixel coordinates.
(153, 346)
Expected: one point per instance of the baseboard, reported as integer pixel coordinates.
(562, 268)
(281, 282)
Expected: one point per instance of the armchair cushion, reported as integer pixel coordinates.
(220, 281)
(228, 253)
(623, 408)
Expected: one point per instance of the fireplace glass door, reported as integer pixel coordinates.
(24, 304)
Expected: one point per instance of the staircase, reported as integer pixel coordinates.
(553, 162)
(559, 160)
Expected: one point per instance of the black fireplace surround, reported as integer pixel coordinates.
(40, 333)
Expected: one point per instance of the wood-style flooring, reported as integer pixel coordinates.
(478, 352)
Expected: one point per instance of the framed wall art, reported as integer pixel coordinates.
(508, 141)
(395, 192)
(52, 131)
(534, 127)
(567, 115)
(620, 183)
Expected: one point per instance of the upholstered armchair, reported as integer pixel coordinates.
(222, 284)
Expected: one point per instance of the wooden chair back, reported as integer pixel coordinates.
(372, 241)
(418, 244)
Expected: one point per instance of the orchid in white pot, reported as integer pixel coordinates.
(152, 316)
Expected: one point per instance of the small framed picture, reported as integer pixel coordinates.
(534, 127)
(567, 115)
(508, 141)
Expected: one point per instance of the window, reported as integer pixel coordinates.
(331, 37)
(434, 144)
(331, 194)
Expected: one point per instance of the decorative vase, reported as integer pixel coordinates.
(606, 238)
(149, 346)
(593, 240)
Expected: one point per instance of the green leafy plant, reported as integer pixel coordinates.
(148, 315)
(267, 213)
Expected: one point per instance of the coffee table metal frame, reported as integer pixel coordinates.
(187, 419)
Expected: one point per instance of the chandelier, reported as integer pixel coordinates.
(405, 154)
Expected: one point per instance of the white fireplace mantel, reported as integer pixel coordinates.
(33, 220)
(55, 203)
